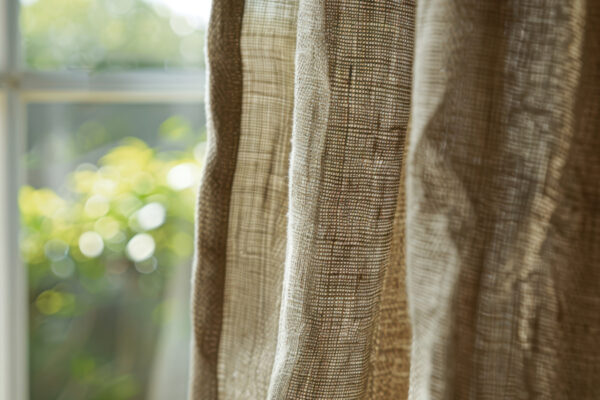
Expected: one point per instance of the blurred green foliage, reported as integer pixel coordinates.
(99, 258)
(108, 35)
(104, 244)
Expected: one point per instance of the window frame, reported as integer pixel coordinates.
(18, 87)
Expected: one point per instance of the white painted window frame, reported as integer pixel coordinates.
(18, 87)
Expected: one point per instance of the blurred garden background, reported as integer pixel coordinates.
(107, 209)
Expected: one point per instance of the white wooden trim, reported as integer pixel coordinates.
(186, 83)
(5, 304)
(13, 280)
(14, 312)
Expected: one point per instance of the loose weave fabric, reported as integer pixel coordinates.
(329, 265)
(258, 208)
(351, 113)
(224, 110)
(503, 200)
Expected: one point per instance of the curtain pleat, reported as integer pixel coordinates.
(224, 110)
(256, 239)
(352, 104)
(329, 265)
(503, 233)
(390, 355)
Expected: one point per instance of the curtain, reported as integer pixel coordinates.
(401, 199)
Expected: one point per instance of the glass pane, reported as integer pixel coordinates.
(113, 34)
(107, 228)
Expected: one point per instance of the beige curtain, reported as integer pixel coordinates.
(343, 253)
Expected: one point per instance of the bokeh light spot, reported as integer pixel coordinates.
(107, 227)
(151, 216)
(49, 302)
(106, 187)
(96, 206)
(91, 244)
(147, 266)
(63, 268)
(182, 176)
(56, 249)
(140, 247)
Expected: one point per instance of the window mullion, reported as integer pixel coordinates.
(12, 272)
(13, 312)
(112, 87)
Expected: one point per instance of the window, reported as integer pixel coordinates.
(102, 131)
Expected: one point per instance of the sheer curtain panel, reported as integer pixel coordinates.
(400, 200)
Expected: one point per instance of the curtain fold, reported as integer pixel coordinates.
(224, 111)
(345, 253)
(256, 239)
(353, 80)
(503, 246)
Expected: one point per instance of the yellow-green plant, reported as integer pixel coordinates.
(99, 255)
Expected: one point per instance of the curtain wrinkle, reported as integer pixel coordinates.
(224, 109)
(345, 253)
(494, 124)
(390, 355)
(311, 109)
(343, 194)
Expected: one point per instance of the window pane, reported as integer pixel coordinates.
(107, 228)
(113, 34)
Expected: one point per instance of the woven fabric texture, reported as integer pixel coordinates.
(503, 201)
(256, 239)
(332, 266)
(352, 105)
(224, 110)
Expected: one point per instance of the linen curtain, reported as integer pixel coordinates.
(401, 199)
